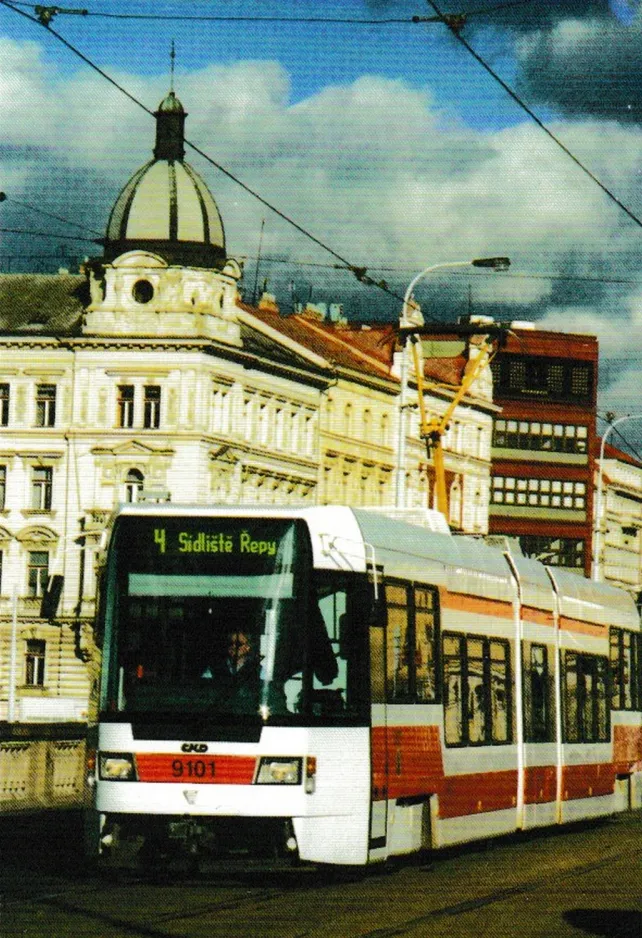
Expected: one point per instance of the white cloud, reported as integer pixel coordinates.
(371, 167)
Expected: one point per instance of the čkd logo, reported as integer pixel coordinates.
(194, 747)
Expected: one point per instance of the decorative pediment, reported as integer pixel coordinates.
(37, 534)
(5, 535)
(132, 449)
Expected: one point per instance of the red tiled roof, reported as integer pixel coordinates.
(445, 370)
(365, 349)
(612, 452)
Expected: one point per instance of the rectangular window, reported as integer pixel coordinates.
(425, 644)
(45, 405)
(125, 405)
(477, 690)
(476, 699)
(41, 486)
(35, 662)
(527, 376)
(535, 493)
(4, 404)
(37, 572)
(453, 690)
(397, 640)
(411, 637)
(222, 409)
(500, 711)
(625, 675)
(3, 486)
(533, 435)
(586, 718)
(538, 723)
(151, 407)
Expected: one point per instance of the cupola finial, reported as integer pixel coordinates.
(170, 121)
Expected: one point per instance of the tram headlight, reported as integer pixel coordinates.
(279, 770)
(116, 767)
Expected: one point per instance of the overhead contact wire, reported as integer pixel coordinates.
(358, 270)
(455, 29)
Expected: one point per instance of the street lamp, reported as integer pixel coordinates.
(405, 321)
(597, 540)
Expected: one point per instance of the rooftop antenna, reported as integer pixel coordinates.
(172, 58)
(258, 264)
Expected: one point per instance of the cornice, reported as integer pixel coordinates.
(242, 451)
(206, 347)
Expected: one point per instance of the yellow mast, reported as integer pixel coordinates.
(432, 429)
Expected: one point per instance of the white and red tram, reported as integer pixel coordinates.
(413, 689)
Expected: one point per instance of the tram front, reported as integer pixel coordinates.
(234, 700)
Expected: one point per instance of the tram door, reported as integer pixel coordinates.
(378, 738)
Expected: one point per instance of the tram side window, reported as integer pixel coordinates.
(398, 646)
(452, 659)
(339, 658)
(411, 643)
(500, 692)
(625, 676)
(425, 641)
(477, 690)
(538, 722)
(585, 698)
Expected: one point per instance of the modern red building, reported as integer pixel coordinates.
(543, 444)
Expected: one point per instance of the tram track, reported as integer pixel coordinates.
(135, 908)
(491, 898)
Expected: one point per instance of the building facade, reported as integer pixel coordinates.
(617, 532)
(543, 444)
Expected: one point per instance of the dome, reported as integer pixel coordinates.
(170, 105)
(166, 207)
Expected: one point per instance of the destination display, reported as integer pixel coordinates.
(233, 546)
(206, 542)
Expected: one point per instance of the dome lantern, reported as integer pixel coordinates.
(170, 129)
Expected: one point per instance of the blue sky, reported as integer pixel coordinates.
(389, 142)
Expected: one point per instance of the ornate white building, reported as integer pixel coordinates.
(618, 532)
(148, 375)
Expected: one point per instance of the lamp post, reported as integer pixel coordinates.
(597, 540)
(405, 320)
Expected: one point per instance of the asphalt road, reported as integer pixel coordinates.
(580, 881)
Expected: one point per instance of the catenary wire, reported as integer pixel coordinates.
(45, 234)
(360, 272)
(50, 11)
(456, 32)
(41, 211)
(616, 431)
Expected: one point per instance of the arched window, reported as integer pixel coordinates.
(134, 481)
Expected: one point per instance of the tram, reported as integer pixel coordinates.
(410, 688)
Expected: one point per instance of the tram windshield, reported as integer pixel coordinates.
(220, 618)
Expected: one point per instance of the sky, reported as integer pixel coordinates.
(389, 141)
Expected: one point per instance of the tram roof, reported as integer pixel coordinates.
(463, 565)
(593, 601)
